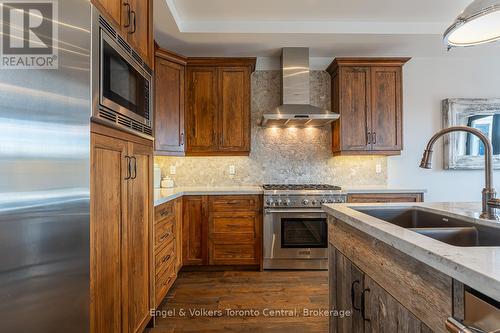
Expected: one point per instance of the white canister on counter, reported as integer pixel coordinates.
(157, 175)
(167, 182)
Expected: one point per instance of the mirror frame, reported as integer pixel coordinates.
(453, 109)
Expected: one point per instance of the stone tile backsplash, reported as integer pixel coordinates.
(281, 155)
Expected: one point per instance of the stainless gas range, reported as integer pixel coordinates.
(295, 227)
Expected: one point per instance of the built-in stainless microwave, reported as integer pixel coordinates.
(121, 80)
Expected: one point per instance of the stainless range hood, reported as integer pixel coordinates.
(296, 110)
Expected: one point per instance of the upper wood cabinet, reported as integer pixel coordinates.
(134, 19)
(367, 93)
(121, 200)
(202, 110)
(218, 106)
(169, 103)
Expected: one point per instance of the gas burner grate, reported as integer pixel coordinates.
(300, 187)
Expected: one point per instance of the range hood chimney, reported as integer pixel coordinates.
(296, 110)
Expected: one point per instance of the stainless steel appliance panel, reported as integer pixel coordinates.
(44, 186)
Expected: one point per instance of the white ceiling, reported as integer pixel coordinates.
(329, 27)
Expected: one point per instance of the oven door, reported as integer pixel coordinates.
(124, 85)
(295, 234)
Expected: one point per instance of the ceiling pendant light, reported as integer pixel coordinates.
(479, 23)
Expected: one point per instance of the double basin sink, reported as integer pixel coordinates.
(448, 230)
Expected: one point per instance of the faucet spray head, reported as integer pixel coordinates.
(426, 159)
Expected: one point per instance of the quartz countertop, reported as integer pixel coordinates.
(166, 194)
(477, 267)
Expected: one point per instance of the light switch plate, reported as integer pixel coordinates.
(378, 168)
(173, 169)
(232, 170)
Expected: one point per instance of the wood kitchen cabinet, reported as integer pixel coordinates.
(169, 103)
(194, 230)
(373, 308)
(134, 19)
(367, 93)
(121, 231)
(222, 230)
(387, 290)
(167, 244)
(218, 106)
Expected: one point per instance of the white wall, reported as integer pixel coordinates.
(427, 81)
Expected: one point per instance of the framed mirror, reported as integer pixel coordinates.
(464, 151)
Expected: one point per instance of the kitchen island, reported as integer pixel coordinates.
(381, 268)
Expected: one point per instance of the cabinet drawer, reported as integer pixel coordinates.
(384, 198)
(165, 259)
(164, 232)
(163, 283)
(235, 203)
(233, 254)
(233, 223)
(163, 211)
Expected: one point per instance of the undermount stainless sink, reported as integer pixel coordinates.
(442, 228)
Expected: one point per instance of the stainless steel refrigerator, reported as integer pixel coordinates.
(44, 184)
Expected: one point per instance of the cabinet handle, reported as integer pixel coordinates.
(128, 14)
(134, 23)
(182, 139)
(369, 137)
(353, 295)
(374, 134)
(129, 172)
(454, 326)
(135, 167)
(165, 213)
(363, 304)
(165, 259)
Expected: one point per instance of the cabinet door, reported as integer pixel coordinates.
(386, 115)
(348, 285)
(384, 314)
(234, 109)
(108, 213)
(355, 104)
(112, 9)
(169, 107)
(194, 230)
(138, 238)
(140, 31)
(234, 238)
(202, 109)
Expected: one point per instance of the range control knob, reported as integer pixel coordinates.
(305, 202)
(287, 202)
(269, 202)
(331, 201)
(340, 200)
(279, 202)
(323, 201)
(315, 202)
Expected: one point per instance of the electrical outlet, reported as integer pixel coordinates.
(378, 168)
(173, 169)
(232, 170)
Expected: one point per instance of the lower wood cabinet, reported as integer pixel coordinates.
(373, 308)
(385, 197)
(222, 230)
(167, 244)
(121, 231)
(386, 290)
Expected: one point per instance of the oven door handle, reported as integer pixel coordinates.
(298, 210)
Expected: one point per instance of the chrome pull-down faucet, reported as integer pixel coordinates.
(490, 202)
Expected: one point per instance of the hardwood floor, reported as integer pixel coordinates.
(258, 291)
